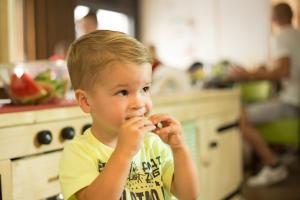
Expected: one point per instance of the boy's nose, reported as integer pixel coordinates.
(136, 102)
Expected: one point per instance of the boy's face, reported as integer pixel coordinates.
(121, 93)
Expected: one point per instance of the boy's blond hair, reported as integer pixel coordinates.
(91, 53)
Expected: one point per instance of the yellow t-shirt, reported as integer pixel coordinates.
(150, 174)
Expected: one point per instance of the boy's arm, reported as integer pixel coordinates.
(280, 70)
(185, 181)
(110, 183)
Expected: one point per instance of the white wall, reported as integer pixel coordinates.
(207, 30)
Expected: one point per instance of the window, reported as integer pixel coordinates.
(107, 19)
(114, 21)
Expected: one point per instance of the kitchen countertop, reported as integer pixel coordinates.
(22, 108)
(28, 114)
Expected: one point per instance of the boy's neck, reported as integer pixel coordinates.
(107, 139)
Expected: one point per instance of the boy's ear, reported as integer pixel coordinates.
(82, 99)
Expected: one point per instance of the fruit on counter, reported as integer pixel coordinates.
(55, 88)
(25, 90)
(44, 88)
(44, 75)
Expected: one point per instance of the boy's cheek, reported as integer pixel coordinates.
(148, 108)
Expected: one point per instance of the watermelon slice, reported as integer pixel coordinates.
(55, 88)
(25, 90)
(45, 75)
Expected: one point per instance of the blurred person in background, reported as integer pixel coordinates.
(196, 73)
(156, 62)
(167, 80)
(60, 50)
(87, 24)
(285, 68)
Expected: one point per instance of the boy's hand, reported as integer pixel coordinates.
(168, 129)
(131, 135)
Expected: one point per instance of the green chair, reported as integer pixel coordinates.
(284, 131)
(254, 91)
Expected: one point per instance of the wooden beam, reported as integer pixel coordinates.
(29, 30)
(4, 45)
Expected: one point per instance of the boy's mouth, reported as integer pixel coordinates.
(129, 117)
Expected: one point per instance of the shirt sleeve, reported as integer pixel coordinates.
(279, 47)
(77, 169)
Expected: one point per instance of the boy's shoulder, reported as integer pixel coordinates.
(83, 139)
(85, 142)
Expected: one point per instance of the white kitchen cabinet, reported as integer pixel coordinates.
(29, 163)
(5, 180)
(31, 142)
(221, 157)
(210, 123)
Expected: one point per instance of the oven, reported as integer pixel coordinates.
(31, 143)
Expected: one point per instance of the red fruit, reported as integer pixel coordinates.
(25, 89)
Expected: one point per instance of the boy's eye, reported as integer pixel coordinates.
(146, 89)
(122, 93)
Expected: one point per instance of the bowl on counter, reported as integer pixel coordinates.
(37, 82)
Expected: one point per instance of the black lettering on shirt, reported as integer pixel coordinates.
(155, 168)
(101, 165)
(123, 197)
(162, 191)
(158, 159)
(147, 195)
(140, 195)
(132, 195)
(154, 195)
(134, 174)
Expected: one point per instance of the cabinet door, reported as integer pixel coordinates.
(229, 157)
(5, 180)
(191, 137)
(221, 157)
(36, 177)
(206, 154)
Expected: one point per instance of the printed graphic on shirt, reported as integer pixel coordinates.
(144, 180)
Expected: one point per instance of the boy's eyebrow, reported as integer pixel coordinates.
(126, 85)
(119, 86)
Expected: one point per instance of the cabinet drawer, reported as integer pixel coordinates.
(36, 177)
(5, 180)
(22, 140)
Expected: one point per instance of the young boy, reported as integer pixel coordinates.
(124, 154)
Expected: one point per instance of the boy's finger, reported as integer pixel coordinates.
(168, 129)
(148, 128)
(162, 135)
(155, 116)
(162, 117)
(141, 123)
(133, 120)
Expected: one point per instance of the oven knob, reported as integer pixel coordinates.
(85, 127)
(44, 137)
(68, 133)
